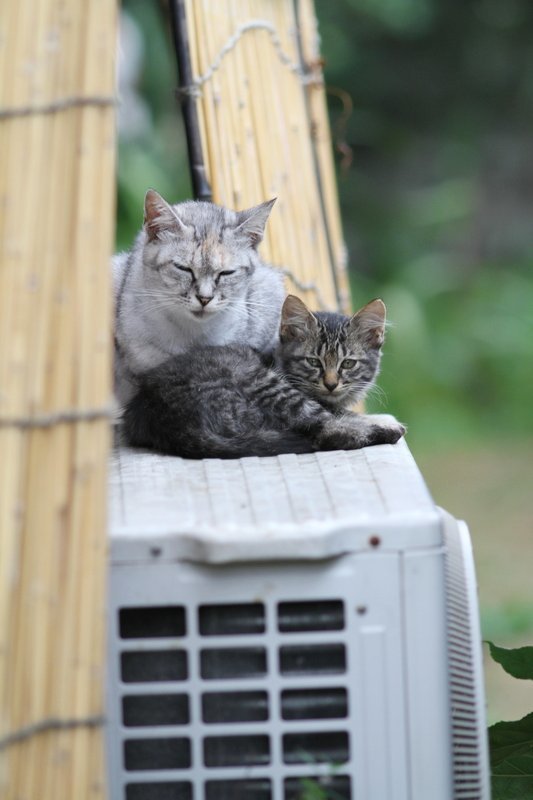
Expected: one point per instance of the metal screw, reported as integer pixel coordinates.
(155, 552)
(374, 541)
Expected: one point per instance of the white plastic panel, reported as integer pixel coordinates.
(308, 506)
(348, 675)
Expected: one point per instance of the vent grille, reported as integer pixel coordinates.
(180, 790)
(219, 688)
(465, 690)
(152, 666)
(238, 790)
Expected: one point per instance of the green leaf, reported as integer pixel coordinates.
(518, 662)
(511, 788)
(511, 757)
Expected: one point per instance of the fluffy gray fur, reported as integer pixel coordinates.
(193, 277)
(230, 402)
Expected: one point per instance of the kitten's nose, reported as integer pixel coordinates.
(331, 384)
(203, 299)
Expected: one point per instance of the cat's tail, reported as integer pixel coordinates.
(138, 432)
(260, 443)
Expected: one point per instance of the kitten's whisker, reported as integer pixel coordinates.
(377, 393)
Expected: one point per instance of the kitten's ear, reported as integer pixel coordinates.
(159, 216)
(252, 221)
(297, 322)
(369, 322)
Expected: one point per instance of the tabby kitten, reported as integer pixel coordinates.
(332, 358)
(230, 402)
(193, 277)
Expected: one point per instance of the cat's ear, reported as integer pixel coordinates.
(297, 322)
(251, 222)
(159, 216)
(369, 322)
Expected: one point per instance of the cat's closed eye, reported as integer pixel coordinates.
(226, 272)
(182, 268)
(348, 363)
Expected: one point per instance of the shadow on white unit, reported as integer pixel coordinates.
(291, 628)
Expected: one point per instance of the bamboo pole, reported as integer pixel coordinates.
(322, 140)
(56, 194)
(258, 119)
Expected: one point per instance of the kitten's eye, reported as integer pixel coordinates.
(226, 272)
(315, 362)
(348, 363)
(182, 268)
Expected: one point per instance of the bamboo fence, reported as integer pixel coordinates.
(258, 87)
(57, 145)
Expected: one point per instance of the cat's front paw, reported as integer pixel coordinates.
(384, 429)
(355, 431)
(385, 434)
(339, 440)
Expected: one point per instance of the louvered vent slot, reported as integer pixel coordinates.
(152, 623)
(153, 666)
(236, 751)
(227, 707)
(176, 691)
(468, 780)
(179, 790)
(336, 787)
(237, 620)
(319, 615)
(314, 704)
(140, 710)
(238, 790)
(331, 747)
(168, 753)
(312, 659)
(237, 662)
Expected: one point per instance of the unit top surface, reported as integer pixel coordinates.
(291, 506)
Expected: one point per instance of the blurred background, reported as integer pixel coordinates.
(431, 105)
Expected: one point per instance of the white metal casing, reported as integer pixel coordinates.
(347, 545)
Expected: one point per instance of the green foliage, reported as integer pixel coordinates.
(156, 157)
(511, 752)
(518, 661)
(511, 743)
(457, 352)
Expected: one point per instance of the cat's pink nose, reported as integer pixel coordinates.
(203, 299)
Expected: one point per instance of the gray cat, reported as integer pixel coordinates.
(231, 402)
(193, 277)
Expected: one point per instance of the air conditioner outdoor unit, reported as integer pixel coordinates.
(291, 628)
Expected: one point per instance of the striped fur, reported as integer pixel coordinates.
(333, 358)
(230, 402)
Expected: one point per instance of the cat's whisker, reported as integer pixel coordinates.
(159, 306)
(255, 304)
(377, 393)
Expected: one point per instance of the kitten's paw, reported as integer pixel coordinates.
(339, 440)
(386, 434)
(354, 432)
(384, 429)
